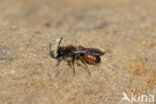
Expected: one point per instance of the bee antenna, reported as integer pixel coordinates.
(53, 53)
(60, 42)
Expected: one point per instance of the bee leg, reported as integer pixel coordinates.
(86, 68)
(70, 63)
(83, 61)
(59, 61)
(73, 61)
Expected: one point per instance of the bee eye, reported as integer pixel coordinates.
(61, 53)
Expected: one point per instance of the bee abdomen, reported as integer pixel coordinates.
(91, 59)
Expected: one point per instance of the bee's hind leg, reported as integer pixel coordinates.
(86, 67)
(73, 62)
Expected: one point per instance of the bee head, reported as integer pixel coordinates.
(56, 51)
(60, 52)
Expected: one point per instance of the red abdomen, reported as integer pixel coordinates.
(91, 59)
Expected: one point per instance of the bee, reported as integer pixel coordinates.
(71, 54)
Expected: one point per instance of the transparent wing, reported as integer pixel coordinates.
(93, 51)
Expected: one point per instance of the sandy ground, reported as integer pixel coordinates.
(124, 29)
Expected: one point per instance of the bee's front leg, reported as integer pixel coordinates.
(59, 60)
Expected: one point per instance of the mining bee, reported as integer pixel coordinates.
(71, 54)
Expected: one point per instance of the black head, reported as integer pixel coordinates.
(60, 52)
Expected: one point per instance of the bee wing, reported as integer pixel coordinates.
(92, 51)
(95, 51)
